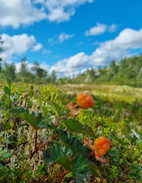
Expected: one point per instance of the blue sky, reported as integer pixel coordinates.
(69, 36)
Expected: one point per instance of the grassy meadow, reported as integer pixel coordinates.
(116, 114)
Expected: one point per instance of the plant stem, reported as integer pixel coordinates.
(57, 120)
(91, 154)
(52, 137)
(63, 120)
(63, 175)
(37, 148)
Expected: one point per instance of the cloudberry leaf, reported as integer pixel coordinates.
(58, 154)
(73, 143)
(76, 127)
(34, 119)
(80, 170)
(57, 109)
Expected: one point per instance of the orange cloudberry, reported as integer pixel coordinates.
(85, 101)
(102, 145)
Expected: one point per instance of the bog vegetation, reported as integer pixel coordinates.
(52, 135)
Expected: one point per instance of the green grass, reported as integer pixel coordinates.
(117, 115)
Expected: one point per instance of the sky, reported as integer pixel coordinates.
(70, 36)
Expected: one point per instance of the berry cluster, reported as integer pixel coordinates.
(101, 145)
(85, 101)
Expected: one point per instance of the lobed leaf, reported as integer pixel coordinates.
(34, 119)
(76, 127)
(59, 110)
(80, 170)
(77, 166)
(73, 143)
(58, 154)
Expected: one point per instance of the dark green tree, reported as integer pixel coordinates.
(53, 77)
(39, 72)
(9, 71)
(113, 67)
(23, 70)
(92, 73)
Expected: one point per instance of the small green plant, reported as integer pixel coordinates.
(4, 154)
(68, 150)
(70, 135)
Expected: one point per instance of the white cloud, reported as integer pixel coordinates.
(37, 47)
(39, 1)
(29, 65)
(18, 66)
(100, 29)
(25, 12)
(59, 39)
(70, 66)
(18, 45)
(112, 28)
(120, 47)
(44, 66)
(62, 10)
(46, 51)
(16, 12)
(127, 39)
(63, 36)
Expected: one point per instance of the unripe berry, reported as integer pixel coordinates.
(85, 101)
(102, 145)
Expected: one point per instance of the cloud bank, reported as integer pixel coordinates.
(25, 12)
(127, 41)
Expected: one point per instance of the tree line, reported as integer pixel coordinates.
(125, 71)
(37, 74)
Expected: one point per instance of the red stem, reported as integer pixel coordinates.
(91, 154)
(63, 119)
(37, 148)
(63, 175)
(57, 120)
(52, 137)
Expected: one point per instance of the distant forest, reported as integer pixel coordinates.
(127, 71)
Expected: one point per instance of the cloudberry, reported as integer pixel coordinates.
(102, 145)
(85, 101)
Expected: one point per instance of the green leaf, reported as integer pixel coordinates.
(73, 143)
(76, 127)
(34, 119)
(57, 154)
(6, 126)
(6, 90)
(1, 167)
(9, 81)
(4, 154)
(15, 97)
(80, 170)
(69, 175)
(58, 110)
(77, 167)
